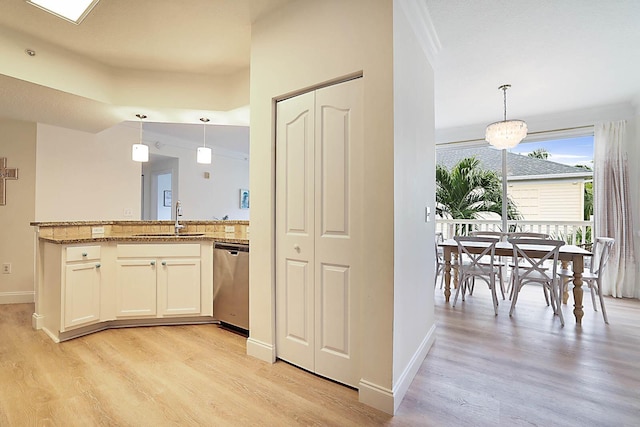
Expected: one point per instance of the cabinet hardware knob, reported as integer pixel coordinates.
(296, 247)
(164, 262)
(97, 265)
(84, 254)
(153, 263)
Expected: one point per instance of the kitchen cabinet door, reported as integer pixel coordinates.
(178, 287)
(136, 288)
(81, 294)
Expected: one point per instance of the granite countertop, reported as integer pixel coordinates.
(135, 222)
(152, 238)
(68, 232)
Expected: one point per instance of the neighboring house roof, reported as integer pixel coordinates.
(518, 166)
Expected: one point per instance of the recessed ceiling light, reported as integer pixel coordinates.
(71, 10)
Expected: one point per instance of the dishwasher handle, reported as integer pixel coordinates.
(233, 249)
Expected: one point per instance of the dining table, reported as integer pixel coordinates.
(568, 254)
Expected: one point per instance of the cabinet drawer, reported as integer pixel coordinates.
(83, 253)
(159, 250)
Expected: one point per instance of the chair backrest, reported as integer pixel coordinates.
(496, 234)
(477, 261)
(535, 252)
(601, 250)
(439, 252)
(521, 234)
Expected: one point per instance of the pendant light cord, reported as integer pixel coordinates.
(141, 117)
(204, 121)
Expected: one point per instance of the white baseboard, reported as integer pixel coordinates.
(17, 297)
(407, 376)
(389, 400)
(261, 350)
(37, 321)
(376, 396)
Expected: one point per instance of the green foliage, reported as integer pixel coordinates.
(575, 237)
(588, 194)
(540, 153)
(466, 191)
(588, 200)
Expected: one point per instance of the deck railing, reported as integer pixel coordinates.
(572, 232)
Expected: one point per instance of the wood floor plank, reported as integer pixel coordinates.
(483, 370)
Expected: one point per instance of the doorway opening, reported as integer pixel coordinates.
(160, 187)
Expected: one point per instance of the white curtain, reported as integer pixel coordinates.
(613, 210)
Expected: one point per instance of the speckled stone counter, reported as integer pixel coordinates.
(65, 232)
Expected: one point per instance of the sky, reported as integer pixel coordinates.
(570, 151)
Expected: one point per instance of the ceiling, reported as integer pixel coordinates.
(558, 55)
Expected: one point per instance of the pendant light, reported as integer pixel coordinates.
(204, 153)
(140, 152)
(507, 133)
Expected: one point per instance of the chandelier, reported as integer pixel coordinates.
(507, 133)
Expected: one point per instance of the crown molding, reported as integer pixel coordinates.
(417, 13)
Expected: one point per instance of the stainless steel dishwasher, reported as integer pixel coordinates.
(231, 285)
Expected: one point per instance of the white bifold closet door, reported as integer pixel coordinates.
(319, 210)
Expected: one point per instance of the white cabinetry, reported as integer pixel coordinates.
(179, 287)
(81, 286)
(86, 288)
(158, 280)
(136, 287)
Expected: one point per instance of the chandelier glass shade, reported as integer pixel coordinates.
(506, 133)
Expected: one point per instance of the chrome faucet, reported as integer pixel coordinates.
(178, 226)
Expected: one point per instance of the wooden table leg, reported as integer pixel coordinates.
(565, 282)
(447, 274)
(578, 268)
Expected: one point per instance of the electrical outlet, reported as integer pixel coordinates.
(6, 268)
(97, 230)
(229, 229)
(127, 212)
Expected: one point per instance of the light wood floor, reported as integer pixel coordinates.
(482, 371)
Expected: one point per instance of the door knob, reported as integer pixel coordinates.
(296, 247)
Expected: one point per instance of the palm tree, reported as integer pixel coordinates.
(540, 153)
(588, 194)
(466, 191)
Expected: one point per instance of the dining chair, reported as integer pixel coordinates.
(535, 253)
(517, 235)
(497, 262)
(439, 260)
(530, 234)
(476, 265)
(593, 277)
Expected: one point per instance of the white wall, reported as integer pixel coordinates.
(414, 190)
(82, 176)
(299, 46)
(213, 197)
(18, 145)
